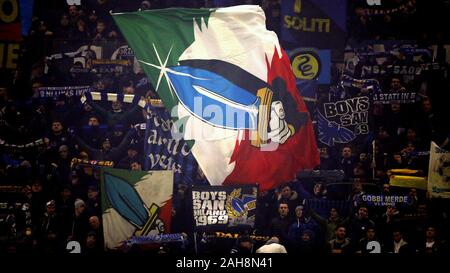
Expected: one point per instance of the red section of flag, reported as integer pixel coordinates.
(165, 214)
(272, 168)
(10, 32)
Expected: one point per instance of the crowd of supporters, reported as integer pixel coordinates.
(56, 200)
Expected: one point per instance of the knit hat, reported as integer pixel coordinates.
(63, 148)
(145, 5)
(50, 203)
(93, 188)
(79, 203)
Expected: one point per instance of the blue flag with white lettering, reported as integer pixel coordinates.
(164, 152)
(343, 121)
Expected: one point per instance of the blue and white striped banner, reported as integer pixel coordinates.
(104, 97)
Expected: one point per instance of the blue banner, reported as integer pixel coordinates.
(156, 239)
(385, 200)
(373, 87)
(390, 58)
(164, 152)
(344, 121)
(315, 23)
(68, 91)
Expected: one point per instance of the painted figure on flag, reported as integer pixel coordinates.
(135, 204)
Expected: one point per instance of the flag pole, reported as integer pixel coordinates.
(373, 160)
(195, 242)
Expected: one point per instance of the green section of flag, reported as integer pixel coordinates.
(131, 177)
(155, 33)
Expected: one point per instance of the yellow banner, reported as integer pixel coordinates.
(404, 171)
(406, 181)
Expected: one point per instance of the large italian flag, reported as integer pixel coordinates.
(230, 89)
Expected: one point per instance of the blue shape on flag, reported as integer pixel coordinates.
(238, 205)
(124, 198)
(331, 132)
(214, 99)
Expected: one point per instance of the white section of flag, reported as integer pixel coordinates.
(236, 35)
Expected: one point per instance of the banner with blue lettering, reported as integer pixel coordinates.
(314, 23)
(164, 152)
(224, 208)
(343, 121)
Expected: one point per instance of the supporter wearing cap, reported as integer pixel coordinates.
(79, 206)
(244, 245)
(80, 223)
(95, 226)
(106, 144)
(49, 228)
(50, 205)
(93, 205)
(94, 132)
(299, 225)
(132, 156)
